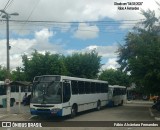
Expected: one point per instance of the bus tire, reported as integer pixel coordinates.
(113, 104)
(73, 111)
(121, 104)
(98, 105)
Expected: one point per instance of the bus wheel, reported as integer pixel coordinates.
(113, 104)
(73, 111)
(98, 105)
(121, 104)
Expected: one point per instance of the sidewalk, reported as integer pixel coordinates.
(140, 102)
(153, 112)
(14, 114)
(25, 115)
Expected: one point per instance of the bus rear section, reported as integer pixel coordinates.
(63, 95)
(14, 95)
(116, 95)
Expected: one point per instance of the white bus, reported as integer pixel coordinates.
(63, 95)
(14, 92)
(117, 95)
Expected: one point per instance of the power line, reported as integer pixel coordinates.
(9, 3)
(59, 22)
(62, 23)
(25, 20)
(30, 14)
(59, 25)
(83, 29)
(5, 6)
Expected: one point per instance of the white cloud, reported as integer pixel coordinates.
(104, 51)
(108, 54)
(43, 35)
(92, 47)
(25, 46)
(85, 31)
(62, 10)
(42, 41)
(70, 10)
(110, 64)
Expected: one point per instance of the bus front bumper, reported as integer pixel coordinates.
(47, 112)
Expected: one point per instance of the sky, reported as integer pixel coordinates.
(68, 26)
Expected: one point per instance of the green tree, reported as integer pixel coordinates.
(47, 64)
(3, 73)
(140, 55)
(115, 77)
(85, 65)
(18, 75)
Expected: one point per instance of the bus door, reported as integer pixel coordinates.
(110, 94)
(66, 97)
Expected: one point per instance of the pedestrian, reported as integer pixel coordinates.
(24, 98)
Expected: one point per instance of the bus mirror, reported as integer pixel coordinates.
(66, 81)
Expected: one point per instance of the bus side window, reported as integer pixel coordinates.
(87, 87)
(81, 87)
(74, 87)
(114, 92)
(102, 88)
(105, 87)
(17, 88)
(13, 88)
(2, 90)
(98, 87)
(66, 92)
(93, 87)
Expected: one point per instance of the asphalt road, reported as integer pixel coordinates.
(127, 112)
(134, 111)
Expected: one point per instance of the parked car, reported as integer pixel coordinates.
(153, 98)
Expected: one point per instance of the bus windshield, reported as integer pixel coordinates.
(47, 93)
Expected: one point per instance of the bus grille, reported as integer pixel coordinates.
(47, 110)
(43, 105)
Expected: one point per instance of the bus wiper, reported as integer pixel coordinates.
(50, 83)
(43, 95)
(44, 91)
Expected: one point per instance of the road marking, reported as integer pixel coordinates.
(2, 116)
(157, 118)
(151, 113)
(32, 117)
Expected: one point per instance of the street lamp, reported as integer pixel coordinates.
(7, 16)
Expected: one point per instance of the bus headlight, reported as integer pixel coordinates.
(32, 109)
(55, 110)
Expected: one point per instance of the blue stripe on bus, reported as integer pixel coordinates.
(37, 112)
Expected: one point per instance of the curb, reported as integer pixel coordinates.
(4, 116)
(7, 115)
(1, 116)
(157, 118)
(153, 115)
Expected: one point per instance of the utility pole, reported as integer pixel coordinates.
(7, 81)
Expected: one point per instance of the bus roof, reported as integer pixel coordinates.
(72, 78)
(116, 86)
(20, 83)
(1, 82)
